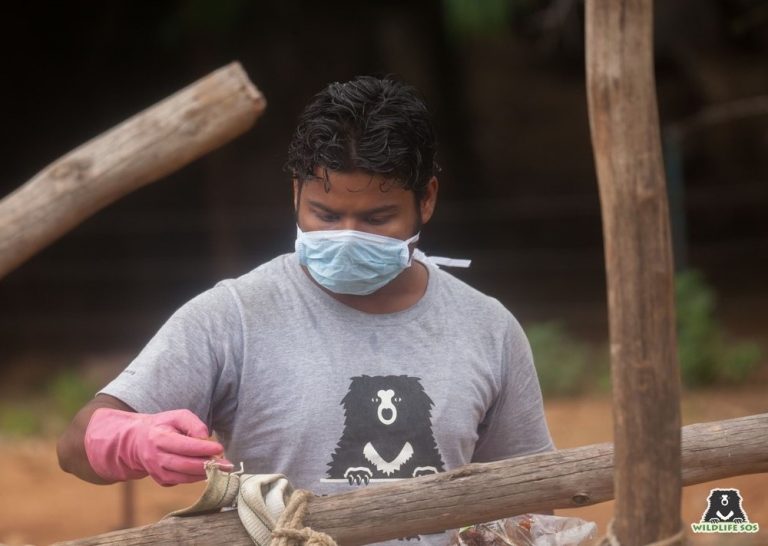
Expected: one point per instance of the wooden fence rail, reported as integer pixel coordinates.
(478, 492)
(148, 146)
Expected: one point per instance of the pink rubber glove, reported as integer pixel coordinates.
(171, 446)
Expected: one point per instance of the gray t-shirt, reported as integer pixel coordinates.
(294, 382)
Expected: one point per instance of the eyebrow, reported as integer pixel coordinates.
(377, 210)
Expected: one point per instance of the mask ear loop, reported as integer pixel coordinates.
(440, 261)
(412, 253)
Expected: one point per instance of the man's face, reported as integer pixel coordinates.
(361, 202)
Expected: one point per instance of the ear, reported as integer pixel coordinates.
(295, 195)
(428, 201)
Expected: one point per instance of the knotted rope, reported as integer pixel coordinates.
(260, 500)
(289, 530)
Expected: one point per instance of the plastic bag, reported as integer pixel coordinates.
(528, 530)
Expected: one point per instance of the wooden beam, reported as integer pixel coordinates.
(145, 148)
(474, 493)
(640, 271)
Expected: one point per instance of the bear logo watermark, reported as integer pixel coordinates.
(725, 514)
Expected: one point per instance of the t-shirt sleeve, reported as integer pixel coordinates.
(190, 363)
(515, 424)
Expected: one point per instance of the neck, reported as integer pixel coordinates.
(402, 292)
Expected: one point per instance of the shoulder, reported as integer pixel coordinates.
(484, 316)
(273, 282)
(470, 300)
(225, 297)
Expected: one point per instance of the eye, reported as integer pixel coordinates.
(398, 399)
(328, 217)
(375, 400)
(378, 220)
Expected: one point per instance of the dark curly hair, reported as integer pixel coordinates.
(377, 125)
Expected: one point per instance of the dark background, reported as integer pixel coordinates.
(505, 81)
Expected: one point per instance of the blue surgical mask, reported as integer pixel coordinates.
(352, 262)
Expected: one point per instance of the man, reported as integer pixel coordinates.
(352, 361)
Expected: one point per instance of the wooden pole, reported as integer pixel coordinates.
(475, 493)
(128, 501)
(646, 385)
(146, 147)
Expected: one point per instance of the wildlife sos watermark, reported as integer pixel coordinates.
(725, 514)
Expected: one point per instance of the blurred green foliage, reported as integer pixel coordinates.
(468, 17)
(707, 356)
(47, 411)
(68, 392)
(19, 420)
(566, 365)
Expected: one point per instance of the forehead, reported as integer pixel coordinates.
(357, 189)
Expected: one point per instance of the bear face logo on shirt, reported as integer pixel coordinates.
(387, 432)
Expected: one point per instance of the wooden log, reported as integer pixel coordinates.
(146, 147)
(640, 270)
(475, 493)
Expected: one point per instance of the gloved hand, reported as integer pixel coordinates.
(171, 446)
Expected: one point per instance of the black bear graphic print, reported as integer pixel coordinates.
(387, 432)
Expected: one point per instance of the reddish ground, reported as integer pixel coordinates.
(40, 504)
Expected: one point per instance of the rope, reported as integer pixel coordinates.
(610, 538)
(260, 503)
(289, 530)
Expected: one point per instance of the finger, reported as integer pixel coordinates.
(186, 422)
(190, 466)
(179, 444)
(167, 478)
(225, 465)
